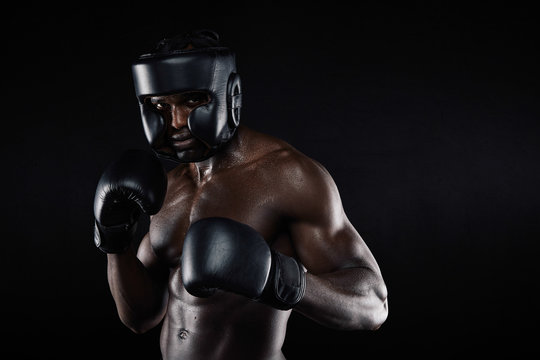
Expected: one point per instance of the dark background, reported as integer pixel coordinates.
(426, 115)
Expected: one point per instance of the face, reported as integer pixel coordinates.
(178, 140)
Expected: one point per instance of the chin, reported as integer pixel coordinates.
(185, 156)
(192, 156)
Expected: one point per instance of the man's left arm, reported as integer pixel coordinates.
(344, 285)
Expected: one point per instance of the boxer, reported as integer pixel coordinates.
(243, 229)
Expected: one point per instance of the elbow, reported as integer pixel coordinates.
(139, 330)
(371, 319)
(136, 325)
(140, 320)
(362, 317)
(377, 317)
(380, 310)
(373, 316)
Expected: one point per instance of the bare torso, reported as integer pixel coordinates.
(248, 189)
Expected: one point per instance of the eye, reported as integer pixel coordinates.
(161, 106)
(196, 98)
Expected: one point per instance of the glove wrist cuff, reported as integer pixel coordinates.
(114, 239)
(286, 284)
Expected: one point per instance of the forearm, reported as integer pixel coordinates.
(140, 300)
(349, 299)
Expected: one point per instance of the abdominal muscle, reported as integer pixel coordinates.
(222, 326)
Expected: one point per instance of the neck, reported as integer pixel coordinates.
(226, 156)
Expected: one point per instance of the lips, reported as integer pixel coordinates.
(181, 139)
(181, 135)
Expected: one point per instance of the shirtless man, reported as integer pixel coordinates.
(243, 230)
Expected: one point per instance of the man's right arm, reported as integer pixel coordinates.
(136, 182)
(138, 284)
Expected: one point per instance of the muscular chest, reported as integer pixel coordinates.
(250, 202)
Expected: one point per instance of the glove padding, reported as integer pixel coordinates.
(134, 182)
(220, 253)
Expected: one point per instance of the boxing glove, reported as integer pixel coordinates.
(220, 253)
(135, 182)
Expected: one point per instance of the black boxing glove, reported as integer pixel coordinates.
(221, 253)
(134, 182)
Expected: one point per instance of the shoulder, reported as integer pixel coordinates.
(302, 183)
(281, 158)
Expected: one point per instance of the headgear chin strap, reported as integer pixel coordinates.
(210, 69)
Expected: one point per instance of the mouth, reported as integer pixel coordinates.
(182, 140)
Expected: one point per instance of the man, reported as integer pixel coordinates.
(243, 230)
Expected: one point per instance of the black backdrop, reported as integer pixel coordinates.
(426, 115)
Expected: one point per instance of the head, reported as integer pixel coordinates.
(189, 96)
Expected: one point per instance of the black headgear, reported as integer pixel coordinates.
(210, 69)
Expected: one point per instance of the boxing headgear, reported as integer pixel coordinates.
(211, 69)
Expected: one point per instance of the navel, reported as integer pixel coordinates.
(183, 334)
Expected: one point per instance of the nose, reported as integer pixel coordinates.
(180, 116)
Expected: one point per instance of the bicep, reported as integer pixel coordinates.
(322, 248)
(323, 237)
